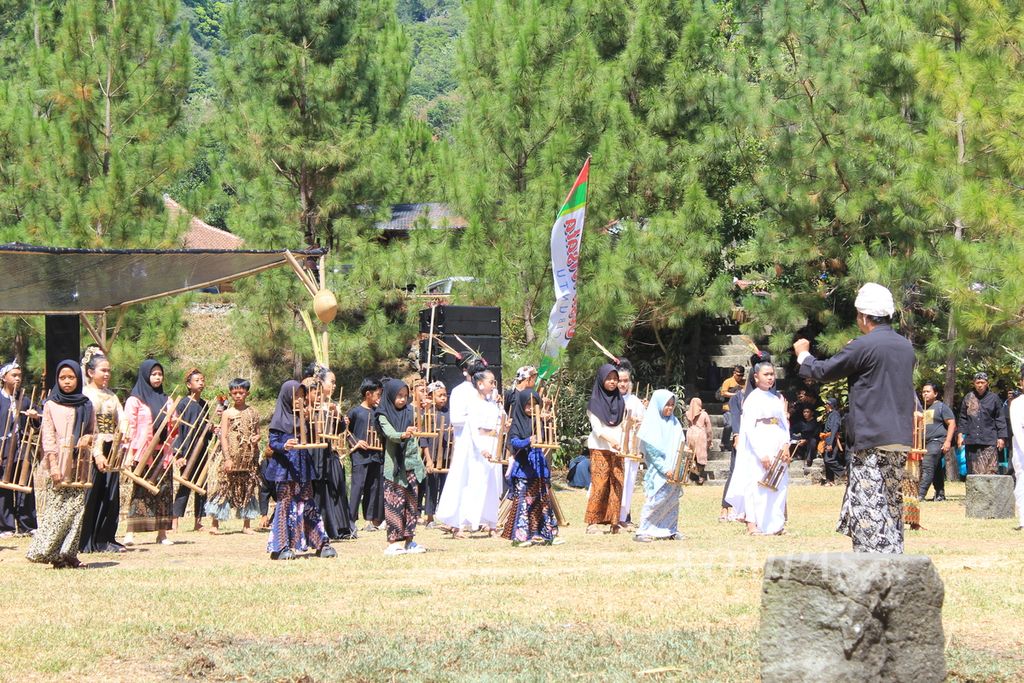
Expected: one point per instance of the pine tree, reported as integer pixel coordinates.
(525, 71)
(89, 136)
(311, 118)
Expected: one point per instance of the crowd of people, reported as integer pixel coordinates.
(496, 474)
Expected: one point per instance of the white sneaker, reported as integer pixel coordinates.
(129, 539)
(167, 541)
(395, 550)
(414, 548)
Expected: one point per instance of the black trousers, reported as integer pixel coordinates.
(181, 502)
(268, 489)
(835, 463)
(932, 473)
(807, 452)
(367, 491)
(430, 493)
(17, 511)
(732, 466)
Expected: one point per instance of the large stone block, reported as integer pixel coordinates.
(851, 617)
(989, 496)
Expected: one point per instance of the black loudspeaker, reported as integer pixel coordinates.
(451, 375)
(488, 347)
(463, 320)
(478, 326)
(63, 342)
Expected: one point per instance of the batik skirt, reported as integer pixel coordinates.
(532, 517)
(60, 527)
(872, 513)
(296, 524)
(152, 511)
(660, 515)
(606, 476)
(401, 508)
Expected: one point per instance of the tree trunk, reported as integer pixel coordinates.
(952, 468)
(531, 334)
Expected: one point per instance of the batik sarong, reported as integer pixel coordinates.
(872, 513)
(532, 518)
(606, 475)
(401, 508)
(60, 527)
(660, 515)
(296, 522)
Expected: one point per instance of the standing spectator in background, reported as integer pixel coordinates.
(939, 427)
(835, 465)
(1017, 428)
(982, 427)
(731, 386)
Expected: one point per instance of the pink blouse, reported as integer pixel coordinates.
(140, 428)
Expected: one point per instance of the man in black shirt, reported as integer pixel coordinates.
(879, 366)
(835, 465)
(982, 427)
(939, 427)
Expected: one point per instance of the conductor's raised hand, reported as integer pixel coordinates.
(801, 345)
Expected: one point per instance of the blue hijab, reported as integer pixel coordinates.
(657, 431)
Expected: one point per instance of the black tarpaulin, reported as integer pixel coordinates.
(55, 280)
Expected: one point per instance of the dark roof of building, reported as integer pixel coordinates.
(405, 217)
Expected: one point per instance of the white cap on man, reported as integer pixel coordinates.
(874, 299)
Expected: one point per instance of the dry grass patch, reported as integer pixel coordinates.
(599, 607)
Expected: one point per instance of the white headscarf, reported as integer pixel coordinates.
(874, 299)
(13, 365)
(657, 431)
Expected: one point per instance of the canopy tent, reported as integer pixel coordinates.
(60, 281)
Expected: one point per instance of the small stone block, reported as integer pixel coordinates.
(851, 617)
(989, 496)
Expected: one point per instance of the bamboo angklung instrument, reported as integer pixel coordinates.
(773, 476)
(909, 484)
(196, 449)
(118, 451)
(75, 463)
(685, 465)
(629, 444)
(440, 457)
(301, 414)
(151, 465)
(426, 422)
(545, 424)
(20, 451)
(326, 422)
(500, 455)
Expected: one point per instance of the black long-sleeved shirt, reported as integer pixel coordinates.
(880, 369)
(832, 424)
(987, 423)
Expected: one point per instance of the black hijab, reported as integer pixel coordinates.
(522, 424)
(75, 399)
(154, 398)
(283, 419)
(608, 406)
(400, 419)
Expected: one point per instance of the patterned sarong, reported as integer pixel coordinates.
(872, 513)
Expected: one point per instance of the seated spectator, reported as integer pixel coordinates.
(805, 428)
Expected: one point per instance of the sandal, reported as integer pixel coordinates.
(594, 529)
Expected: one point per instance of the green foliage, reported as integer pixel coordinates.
(90, 135)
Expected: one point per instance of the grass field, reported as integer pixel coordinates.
(599, 607)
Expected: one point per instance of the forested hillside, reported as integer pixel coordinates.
(804, 146)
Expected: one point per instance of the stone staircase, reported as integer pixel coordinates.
(724, 348)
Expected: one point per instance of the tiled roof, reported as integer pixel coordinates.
(202, 235)
(405, 216)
